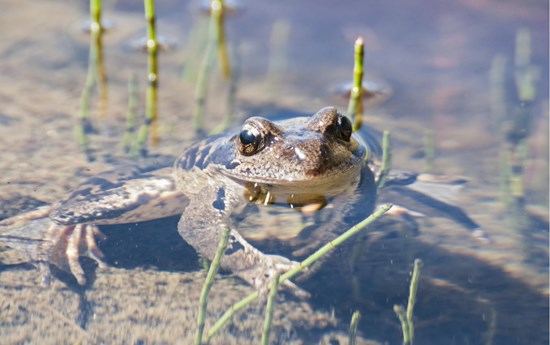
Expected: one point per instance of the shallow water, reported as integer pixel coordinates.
(435, 56)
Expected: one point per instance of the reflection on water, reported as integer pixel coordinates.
(437, 57)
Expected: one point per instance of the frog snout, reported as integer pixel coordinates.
(292, 151)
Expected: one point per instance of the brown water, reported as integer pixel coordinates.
(434, 55)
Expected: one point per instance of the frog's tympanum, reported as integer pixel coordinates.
(290, 164)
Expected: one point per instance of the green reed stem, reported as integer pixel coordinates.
(413, 288)
(386, 160)
(212, 271)
(95, 14)
(406, 316)
(401, 315)
(525, 73)
(96, 31)
(355, 106)
(269, 310)
(131, 117)
(304, 264)
(150, 125)
(95, 64)
(353, 327)
(218, 12)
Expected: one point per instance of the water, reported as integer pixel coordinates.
(434, 55)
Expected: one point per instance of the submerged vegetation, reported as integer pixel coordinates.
(96, 76)
(406, 315)
(516, 128)
(150, 126)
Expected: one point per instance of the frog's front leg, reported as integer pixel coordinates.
(201, 226)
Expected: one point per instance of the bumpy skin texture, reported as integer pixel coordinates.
(290, 163)
(296, 160)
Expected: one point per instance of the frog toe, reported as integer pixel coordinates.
(72, 253)
(91, 233)
(65, 245)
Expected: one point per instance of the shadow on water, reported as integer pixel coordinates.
(154, 244)
(461, 299)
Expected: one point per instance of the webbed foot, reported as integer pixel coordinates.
(65, 244)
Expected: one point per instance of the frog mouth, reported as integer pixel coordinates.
(329, 183)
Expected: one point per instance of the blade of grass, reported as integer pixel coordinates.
(269, 310)
(212, 271)
(355, 106)
(150, 125)
(353, 327)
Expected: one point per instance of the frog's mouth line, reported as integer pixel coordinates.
(329, 183)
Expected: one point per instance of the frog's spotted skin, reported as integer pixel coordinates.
(296, 162)
(131, 198)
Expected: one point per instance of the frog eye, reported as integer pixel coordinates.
(344, 128)
(250, 142)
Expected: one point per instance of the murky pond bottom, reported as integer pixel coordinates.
(436, 57)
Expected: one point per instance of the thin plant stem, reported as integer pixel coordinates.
(401, 315)
(381, 210)
(96, 31)
(386, 160)
(95, 59)
(212, 271)
(526, 75)
(269, 310)
(101, 74)
(95, 15)
(413, 288)
(353, 327)
(217, 11)
(151, 99)
(355, 106)
(406, 316)
(517, 131)
(151, 105)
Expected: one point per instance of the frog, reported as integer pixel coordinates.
(289, 164)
